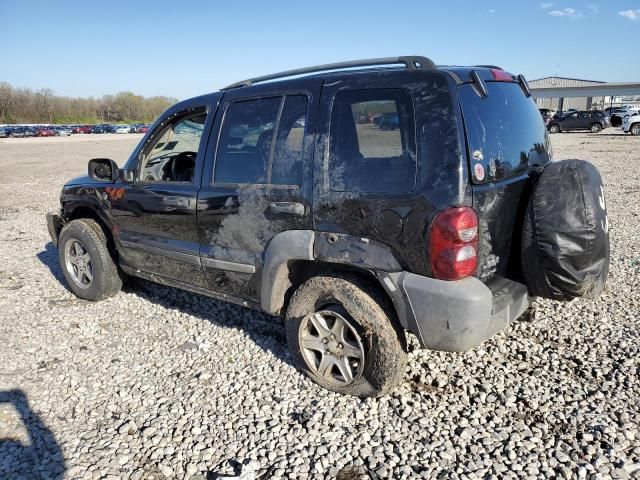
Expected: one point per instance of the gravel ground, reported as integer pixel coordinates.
(159, 383)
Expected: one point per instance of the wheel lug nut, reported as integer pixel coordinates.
(339, 345)
(324, 340)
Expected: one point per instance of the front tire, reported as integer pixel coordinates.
(596, 128)
(86, 262)
(635, 129)
(343, 333)
(554, 128)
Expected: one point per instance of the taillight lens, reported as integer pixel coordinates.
(454, 244)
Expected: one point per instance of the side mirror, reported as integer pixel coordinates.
(103, 169)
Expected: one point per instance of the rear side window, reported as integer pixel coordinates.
(505, 132)
(287, 155)
(261, 142)
(372, 146)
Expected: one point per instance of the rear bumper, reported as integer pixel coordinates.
(54, 225)
(455, 316)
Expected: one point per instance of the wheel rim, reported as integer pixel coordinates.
(554, 129)
(331, 347)
(78, 263)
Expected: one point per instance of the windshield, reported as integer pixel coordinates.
(505, 132)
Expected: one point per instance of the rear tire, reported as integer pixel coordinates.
(554, 128)
(86, 262)
(596, 128)
(352, 305)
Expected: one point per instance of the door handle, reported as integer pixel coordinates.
(290, 208)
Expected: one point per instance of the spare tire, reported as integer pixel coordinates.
(565, 237)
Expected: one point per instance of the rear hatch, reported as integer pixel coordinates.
(506, 137)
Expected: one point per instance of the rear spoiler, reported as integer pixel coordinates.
(499, 75)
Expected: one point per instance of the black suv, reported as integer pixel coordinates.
(594, 120)
(282, 194)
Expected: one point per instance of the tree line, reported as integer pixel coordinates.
(24, 105)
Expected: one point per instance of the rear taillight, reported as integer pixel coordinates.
(454, 244)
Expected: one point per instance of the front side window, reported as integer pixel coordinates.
(171, 156)
(261, 142)
(372, 146)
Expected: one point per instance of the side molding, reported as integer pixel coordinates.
(284, 247)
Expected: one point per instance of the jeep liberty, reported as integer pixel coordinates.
(358, 200)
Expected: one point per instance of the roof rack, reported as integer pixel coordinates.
(411, 62)
(490, 66)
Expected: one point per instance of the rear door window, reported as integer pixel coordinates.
(372, 146)
(505, 132)
(261, 142)
(286, 165)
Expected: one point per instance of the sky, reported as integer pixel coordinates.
(183, 48)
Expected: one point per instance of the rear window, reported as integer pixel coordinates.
(505, 132)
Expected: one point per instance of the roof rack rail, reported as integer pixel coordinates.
(411, 62)
(490, 66)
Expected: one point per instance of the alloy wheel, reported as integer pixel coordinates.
(78, 263)
(331, 347)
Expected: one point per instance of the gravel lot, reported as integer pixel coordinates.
(158, 383)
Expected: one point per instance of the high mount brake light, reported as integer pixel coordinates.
(454, 244)
(501, 75)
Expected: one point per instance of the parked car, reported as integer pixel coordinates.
(30, 132)
(595, 121)
(631, 124)
(122, 129)
(84, 129)
(367, 233)
(17, 132)
(62, 130)
(389, 121)
(619, 113)
(100, 129)
(4, 132)
(45, 132)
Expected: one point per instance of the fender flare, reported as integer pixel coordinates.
(284, 247)
(335, 248)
